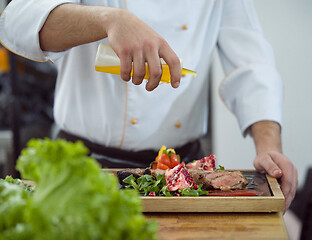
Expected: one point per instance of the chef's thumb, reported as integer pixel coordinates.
(274, 171)
(277, 173)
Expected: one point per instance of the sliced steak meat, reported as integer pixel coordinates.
(233, 180)
(224, 180)
(202, 177)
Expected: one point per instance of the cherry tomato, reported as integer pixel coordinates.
(162, 166)
(164, 159)
(174, 160)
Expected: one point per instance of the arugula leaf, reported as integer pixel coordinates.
(131, 181)
(160, 180)
(147, 184)
(200, 191)
(166, 192)
(193, 192)
(221, 168)
(145, 180)
(188, 192)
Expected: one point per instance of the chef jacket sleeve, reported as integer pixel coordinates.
(252, 88)
(20, 24)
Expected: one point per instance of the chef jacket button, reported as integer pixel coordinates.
(184, 27)
(133, 121)
(177, 124)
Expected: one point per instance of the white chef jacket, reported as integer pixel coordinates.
(106, 110)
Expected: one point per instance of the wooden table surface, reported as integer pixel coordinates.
(198, 226)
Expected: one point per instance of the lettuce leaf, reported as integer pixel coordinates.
(73, 198)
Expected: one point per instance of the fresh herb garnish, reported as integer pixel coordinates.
(221, 168)
(193, 192)
(146, 184)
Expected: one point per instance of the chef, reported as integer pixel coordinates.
(123, 120)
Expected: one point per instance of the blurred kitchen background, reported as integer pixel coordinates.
(26, 96)
(26, 102)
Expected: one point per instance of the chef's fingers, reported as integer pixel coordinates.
(125, 64)
(265, 163)
(286, 182)
(138, 68)
(289, 182)
(173, 62)
(287, 194)
(293, 188)
(288, 175)
(289, 179)
(154, 67)
(295, 183)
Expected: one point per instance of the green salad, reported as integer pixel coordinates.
(147, 185)
(73, 198)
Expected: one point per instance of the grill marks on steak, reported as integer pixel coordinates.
(223, 180)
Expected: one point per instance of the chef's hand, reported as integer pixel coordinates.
(135, 42)
(70, 25)
(279, 166)
(271, 160)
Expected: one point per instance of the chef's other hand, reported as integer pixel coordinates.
(279, 166)
(135, 42)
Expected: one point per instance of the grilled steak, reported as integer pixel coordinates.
(233, 180)
(224, 180)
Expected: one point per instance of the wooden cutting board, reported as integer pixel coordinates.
(272, 199)
(234, 226)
